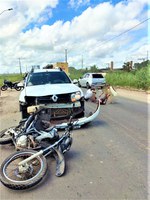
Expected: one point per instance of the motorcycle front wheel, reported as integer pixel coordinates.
(18, 88)
(12, 178)
(5, 136)
(4, 87)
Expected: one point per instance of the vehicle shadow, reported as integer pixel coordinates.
(95, 123)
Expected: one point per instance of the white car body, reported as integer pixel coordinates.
(64, 95)
(43, 90)
(92, 79)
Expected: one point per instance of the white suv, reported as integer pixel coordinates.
(92, 79)
(53, 88)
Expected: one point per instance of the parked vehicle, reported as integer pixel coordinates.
(25, 169)
(53, 88)
(21, 84)
(12, 85)
(92, 80)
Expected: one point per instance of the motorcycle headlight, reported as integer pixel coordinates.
(75, 96)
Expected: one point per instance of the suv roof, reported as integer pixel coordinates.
(47, 70)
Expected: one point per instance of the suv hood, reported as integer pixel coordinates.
(49, 89)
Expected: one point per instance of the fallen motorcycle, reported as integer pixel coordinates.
(31, 132)
(25, 169)
(12, 85)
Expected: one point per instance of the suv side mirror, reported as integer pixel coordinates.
(75, 81)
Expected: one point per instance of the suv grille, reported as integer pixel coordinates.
(62, 98)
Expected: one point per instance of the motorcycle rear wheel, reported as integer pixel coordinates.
(4, 87)
(10, 176)
(5, 138)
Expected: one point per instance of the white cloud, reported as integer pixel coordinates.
(89, 35)
(78, 3)
(24, 12)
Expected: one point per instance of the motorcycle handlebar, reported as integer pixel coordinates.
(70, 124)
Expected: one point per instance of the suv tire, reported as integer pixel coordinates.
(88, 85)
(80, 115)
(79, 84)
(24, 113)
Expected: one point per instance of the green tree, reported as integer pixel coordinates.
(142, 64)
(127, 66)
(94, 68)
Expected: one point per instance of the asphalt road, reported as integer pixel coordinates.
(108, 158)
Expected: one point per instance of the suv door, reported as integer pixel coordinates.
(81, 80)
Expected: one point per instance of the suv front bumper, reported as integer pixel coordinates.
(59, 110)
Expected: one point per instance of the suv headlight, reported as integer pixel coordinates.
(22, 103)
(76, 96)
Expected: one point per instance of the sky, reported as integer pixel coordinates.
(83, 32)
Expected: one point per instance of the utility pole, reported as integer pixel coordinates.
(66, 55)
(82, 61)
(20, 66)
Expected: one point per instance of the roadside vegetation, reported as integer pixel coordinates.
(10, 77)
(138, 77)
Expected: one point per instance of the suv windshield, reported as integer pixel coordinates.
(97, 76)
(42, 78)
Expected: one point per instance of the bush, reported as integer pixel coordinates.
(137, 79)
(143, 78)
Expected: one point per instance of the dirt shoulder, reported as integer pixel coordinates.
(138, 95)
(9, 109)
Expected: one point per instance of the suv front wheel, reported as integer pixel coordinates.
(24, 113)
(80, 115)
(79, 84)
(88, 85)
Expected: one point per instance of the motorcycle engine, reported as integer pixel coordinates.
(66, 144)
(21, 142)
(43, 120)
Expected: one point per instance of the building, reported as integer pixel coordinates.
(62, 65)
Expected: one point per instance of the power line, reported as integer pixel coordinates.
(106, 41)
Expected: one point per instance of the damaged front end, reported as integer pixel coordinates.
(46, 121)
(58, 106)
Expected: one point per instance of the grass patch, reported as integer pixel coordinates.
(136, 79)
(10, 77)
